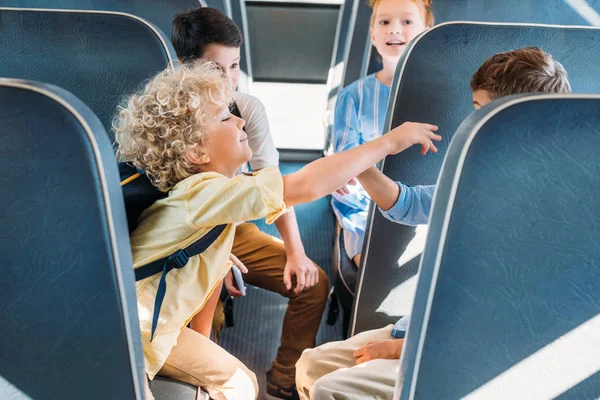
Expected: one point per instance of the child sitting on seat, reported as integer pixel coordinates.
(368, 362)
(360, 108)
(280, 266)
(180, 131)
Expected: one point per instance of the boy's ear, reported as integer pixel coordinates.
(197, 156)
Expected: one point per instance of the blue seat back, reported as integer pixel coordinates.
(97, 56)
(507, 298)
(158, 12)
(69, 316)
(563, 12)
(432, 85)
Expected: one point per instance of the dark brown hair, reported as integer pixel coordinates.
(193, 31)
(526, 70)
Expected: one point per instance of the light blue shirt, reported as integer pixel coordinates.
(400, 327)
(413, 205)
(359, 118)
(412, 208)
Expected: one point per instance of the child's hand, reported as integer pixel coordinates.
(344, 189)
(389, 349)
(229, 281)
(411, 133)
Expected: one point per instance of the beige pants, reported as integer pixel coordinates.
(330, 371)
(200, 362)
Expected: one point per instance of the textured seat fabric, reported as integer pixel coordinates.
(99, 57)
(168, 389)
(432, 85)
(561, 12)
(506, 305)
(158, 12)
(69, 317)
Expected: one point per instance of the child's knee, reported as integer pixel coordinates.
(305, 364)
(242, 384)
(324, 388)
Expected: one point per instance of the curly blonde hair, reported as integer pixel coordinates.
(159, 124)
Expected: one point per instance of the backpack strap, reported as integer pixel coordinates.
(176, 260)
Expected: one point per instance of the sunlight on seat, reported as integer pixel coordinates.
(585, 11)
(10, 391)
(550, 371)
(389, 306)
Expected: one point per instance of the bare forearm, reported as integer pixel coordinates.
(323, 176)
(287, 225)
(380, 188)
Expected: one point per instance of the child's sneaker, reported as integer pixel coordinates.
(276, 392)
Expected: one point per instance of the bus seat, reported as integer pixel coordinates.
(69, 318)
(168, 389)
(224, 6)
(339, 60)
(432, 85)
(506, 306)
(344, 271)
(559, 12)
(97, 56)
(158, 12)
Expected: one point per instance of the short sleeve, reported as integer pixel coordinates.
(223, 200)
(413, 205)
(264, 152)
(400, 327)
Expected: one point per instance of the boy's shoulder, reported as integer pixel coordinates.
(204, 181)
(207, 181)
(247, 102)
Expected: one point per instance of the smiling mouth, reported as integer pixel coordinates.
(395, 43)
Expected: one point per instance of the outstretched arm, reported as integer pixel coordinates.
(398, 203)
(382, 189)
(325, 175)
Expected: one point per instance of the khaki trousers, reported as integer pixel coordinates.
(200, 362)
(330, 371)
(265, 258)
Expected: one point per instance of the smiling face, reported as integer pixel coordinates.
(394, 24)
(228, 60)
(225, 148)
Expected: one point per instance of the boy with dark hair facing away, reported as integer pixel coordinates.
(368, 362)
(280, 267)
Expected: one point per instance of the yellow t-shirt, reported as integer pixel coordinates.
(193, 207)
